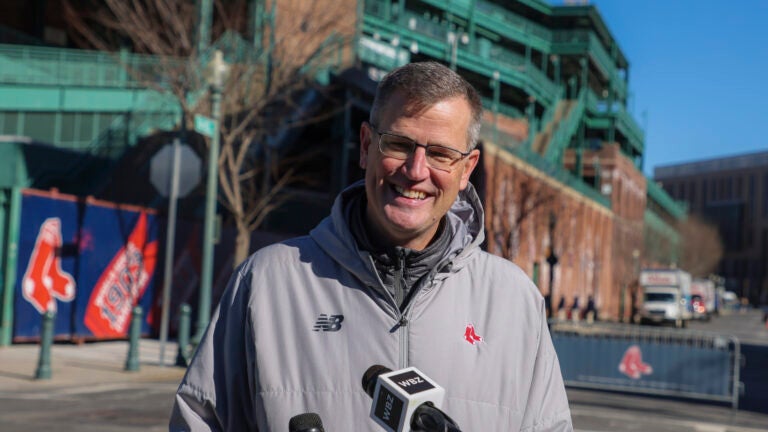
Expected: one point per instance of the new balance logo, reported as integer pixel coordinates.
(330, 323)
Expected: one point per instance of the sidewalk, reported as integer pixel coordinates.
(89, 389)
(89, 365)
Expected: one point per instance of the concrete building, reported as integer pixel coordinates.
(732, 193)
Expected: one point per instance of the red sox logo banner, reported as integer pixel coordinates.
(121, 284)
(632, 364)
(44, 281)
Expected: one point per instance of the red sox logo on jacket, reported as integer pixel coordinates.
(122, 284)
(470, 335)
(44, 281)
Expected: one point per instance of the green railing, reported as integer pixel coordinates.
(583, 41)
(557, 172)
(21, 64)
(460, 8)
(433, 39)
(500, 20)
(566, 128)
(631, 129)
(553, 170)
(546, 121)
(624, 120)
(541, 36)
(381, 54)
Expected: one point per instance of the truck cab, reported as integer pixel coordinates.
(666, 297)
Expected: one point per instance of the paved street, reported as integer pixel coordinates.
(747, 325)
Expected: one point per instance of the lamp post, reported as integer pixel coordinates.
(215, 75)
(552, 261)
(635, 283)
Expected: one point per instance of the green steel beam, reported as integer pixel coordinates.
(204, 23)
(23, 64)
(257, 22)
(11, 258)
(432, 42)
(538, 5)
(78, 99)
(4, 207)
(591, 13)
(499, 20)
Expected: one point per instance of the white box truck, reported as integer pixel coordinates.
(666, 296)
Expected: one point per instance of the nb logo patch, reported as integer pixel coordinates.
(331, 323)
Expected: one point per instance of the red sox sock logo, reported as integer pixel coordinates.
(632, 364)
(470, 335)
(44, 281)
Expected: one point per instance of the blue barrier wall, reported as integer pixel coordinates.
(644, 365)
(89, 261)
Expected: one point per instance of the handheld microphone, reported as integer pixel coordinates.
(307, 422)
(406, 400)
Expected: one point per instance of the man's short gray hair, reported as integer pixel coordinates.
(424, 84)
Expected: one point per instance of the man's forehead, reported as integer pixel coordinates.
(402, 105)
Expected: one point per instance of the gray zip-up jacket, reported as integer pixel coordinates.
(301, 321)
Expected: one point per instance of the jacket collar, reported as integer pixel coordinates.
(464, 221)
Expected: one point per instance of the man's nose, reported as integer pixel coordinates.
(416, 166)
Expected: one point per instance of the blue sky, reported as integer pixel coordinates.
(698, 75)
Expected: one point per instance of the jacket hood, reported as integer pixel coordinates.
(334, 236)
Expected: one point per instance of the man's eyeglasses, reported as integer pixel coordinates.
(399, 147)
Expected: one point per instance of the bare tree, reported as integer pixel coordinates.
(514, 197)
(264, 97)
(702, 246)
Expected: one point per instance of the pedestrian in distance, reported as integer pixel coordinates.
(393, 276)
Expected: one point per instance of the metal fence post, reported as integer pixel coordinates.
(182, 357)
(132, 362)
(46, 340)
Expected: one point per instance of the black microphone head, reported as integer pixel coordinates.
(307, 422)
(371, 375)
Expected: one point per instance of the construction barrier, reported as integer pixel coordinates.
(649, 360)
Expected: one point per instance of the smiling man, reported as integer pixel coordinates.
(411, 186)
(394, 276)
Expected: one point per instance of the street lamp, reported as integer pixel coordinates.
(215, 75)
(552, 261)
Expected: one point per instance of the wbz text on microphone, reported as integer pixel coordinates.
(398, 394)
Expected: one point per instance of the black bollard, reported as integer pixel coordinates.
(182, 356)
(46, 340)
(132, 362)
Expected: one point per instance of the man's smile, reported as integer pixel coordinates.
(410, 193)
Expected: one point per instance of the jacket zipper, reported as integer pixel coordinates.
(402, 329)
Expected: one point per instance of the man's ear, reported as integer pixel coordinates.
(468, 165)
(365, 142)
